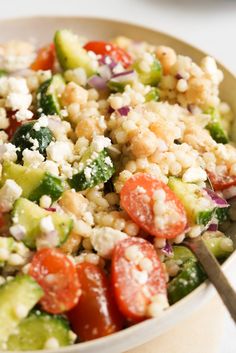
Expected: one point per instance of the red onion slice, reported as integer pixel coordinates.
(213, 227)
(124, 111)
(124, 76)
(219, 201)
(167, 250)
(97, 82)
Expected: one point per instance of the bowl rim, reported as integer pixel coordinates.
(206, 288)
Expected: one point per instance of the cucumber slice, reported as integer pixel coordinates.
(47, 101)
(95, 170)
(152, 95)
(152, 77)
(34, 182)
(222, 214)
(199, 208)
(220, 246)
(29, 215)
(27, 137)
(6, 243)
(22, 291)
(215, 127)
(70, 54)
(182, 254)
(34, 331)
(186, 281)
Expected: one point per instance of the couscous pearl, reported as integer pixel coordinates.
(45, 201)
(15, 260)
(4, 254)
(131, 229)
(20, 311)
(51, 343)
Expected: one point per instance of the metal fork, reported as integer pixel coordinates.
(214, 270)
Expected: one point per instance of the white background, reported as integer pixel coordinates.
(208, 24)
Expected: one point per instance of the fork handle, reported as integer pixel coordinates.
(214, 273)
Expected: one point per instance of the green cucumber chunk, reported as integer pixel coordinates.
(220, 246)
(199, 208)
(153, 76)
(23, 291)
(8, 244)
(71, 54)
(95, 170)
(182, 254)
(215, 126)
(33, 181)
(27, 137)
(190, 277)
(222, 214)
(47, 100)
(152, 95)
(34, 332)
(29, 215)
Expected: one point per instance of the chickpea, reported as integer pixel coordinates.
(167, 57)
(73, 93)
(144, 144)
(87, 128)
(74, 203)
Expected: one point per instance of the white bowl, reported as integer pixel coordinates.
(171, 322)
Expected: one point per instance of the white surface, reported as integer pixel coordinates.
(209, 25)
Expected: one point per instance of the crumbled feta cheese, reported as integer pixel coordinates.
(45, 201)
(15, 260)
(35, 143)
(41, 122)
(51, 167)
(18, 85)
(194, 174)
(4, 121)
(158, 304)
(108, 161)
(51, 343)
(17, 231)
(88, 173)
(72, 337)
(104, 240)
(4, 254)
(20, 311)
(46, 224)
(8, 152)
(100, 142)
(140, 276)
(32, 159)
(9, 193)
(60, 151)
(132, 253)
(17, 101)
(23, 114)
(146, 264)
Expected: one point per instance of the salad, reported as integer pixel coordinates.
(112, 153)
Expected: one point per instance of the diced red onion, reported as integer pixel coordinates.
(213, 227)
(219, 201)
(97, 82)
(124, 76)
(124, 111)
(51, 209)
(167, 250)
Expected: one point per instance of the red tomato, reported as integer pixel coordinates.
(14, 124)
(119, 55)
(45, 58)
(96, 314)
(57, 275)
(133, 287)
(137, 200)
(221, 182)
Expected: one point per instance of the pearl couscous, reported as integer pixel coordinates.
(112, 153)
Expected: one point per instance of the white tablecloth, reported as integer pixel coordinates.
(208, 24)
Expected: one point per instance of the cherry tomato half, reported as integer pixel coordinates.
(221, 182)
(132, 284)
(119, 55)
(96, 314)
(57, 275)
(13, 125)
(45, 58)
(137, 200)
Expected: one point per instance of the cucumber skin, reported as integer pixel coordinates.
(62, 223)
(215, 127)
(151, 78)
(43, 136)
(36, 329)
(46, 103)
(103, 173)
(153, 95)
(204, 217)
(190, 277)
(51, 186)
(23, 289)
